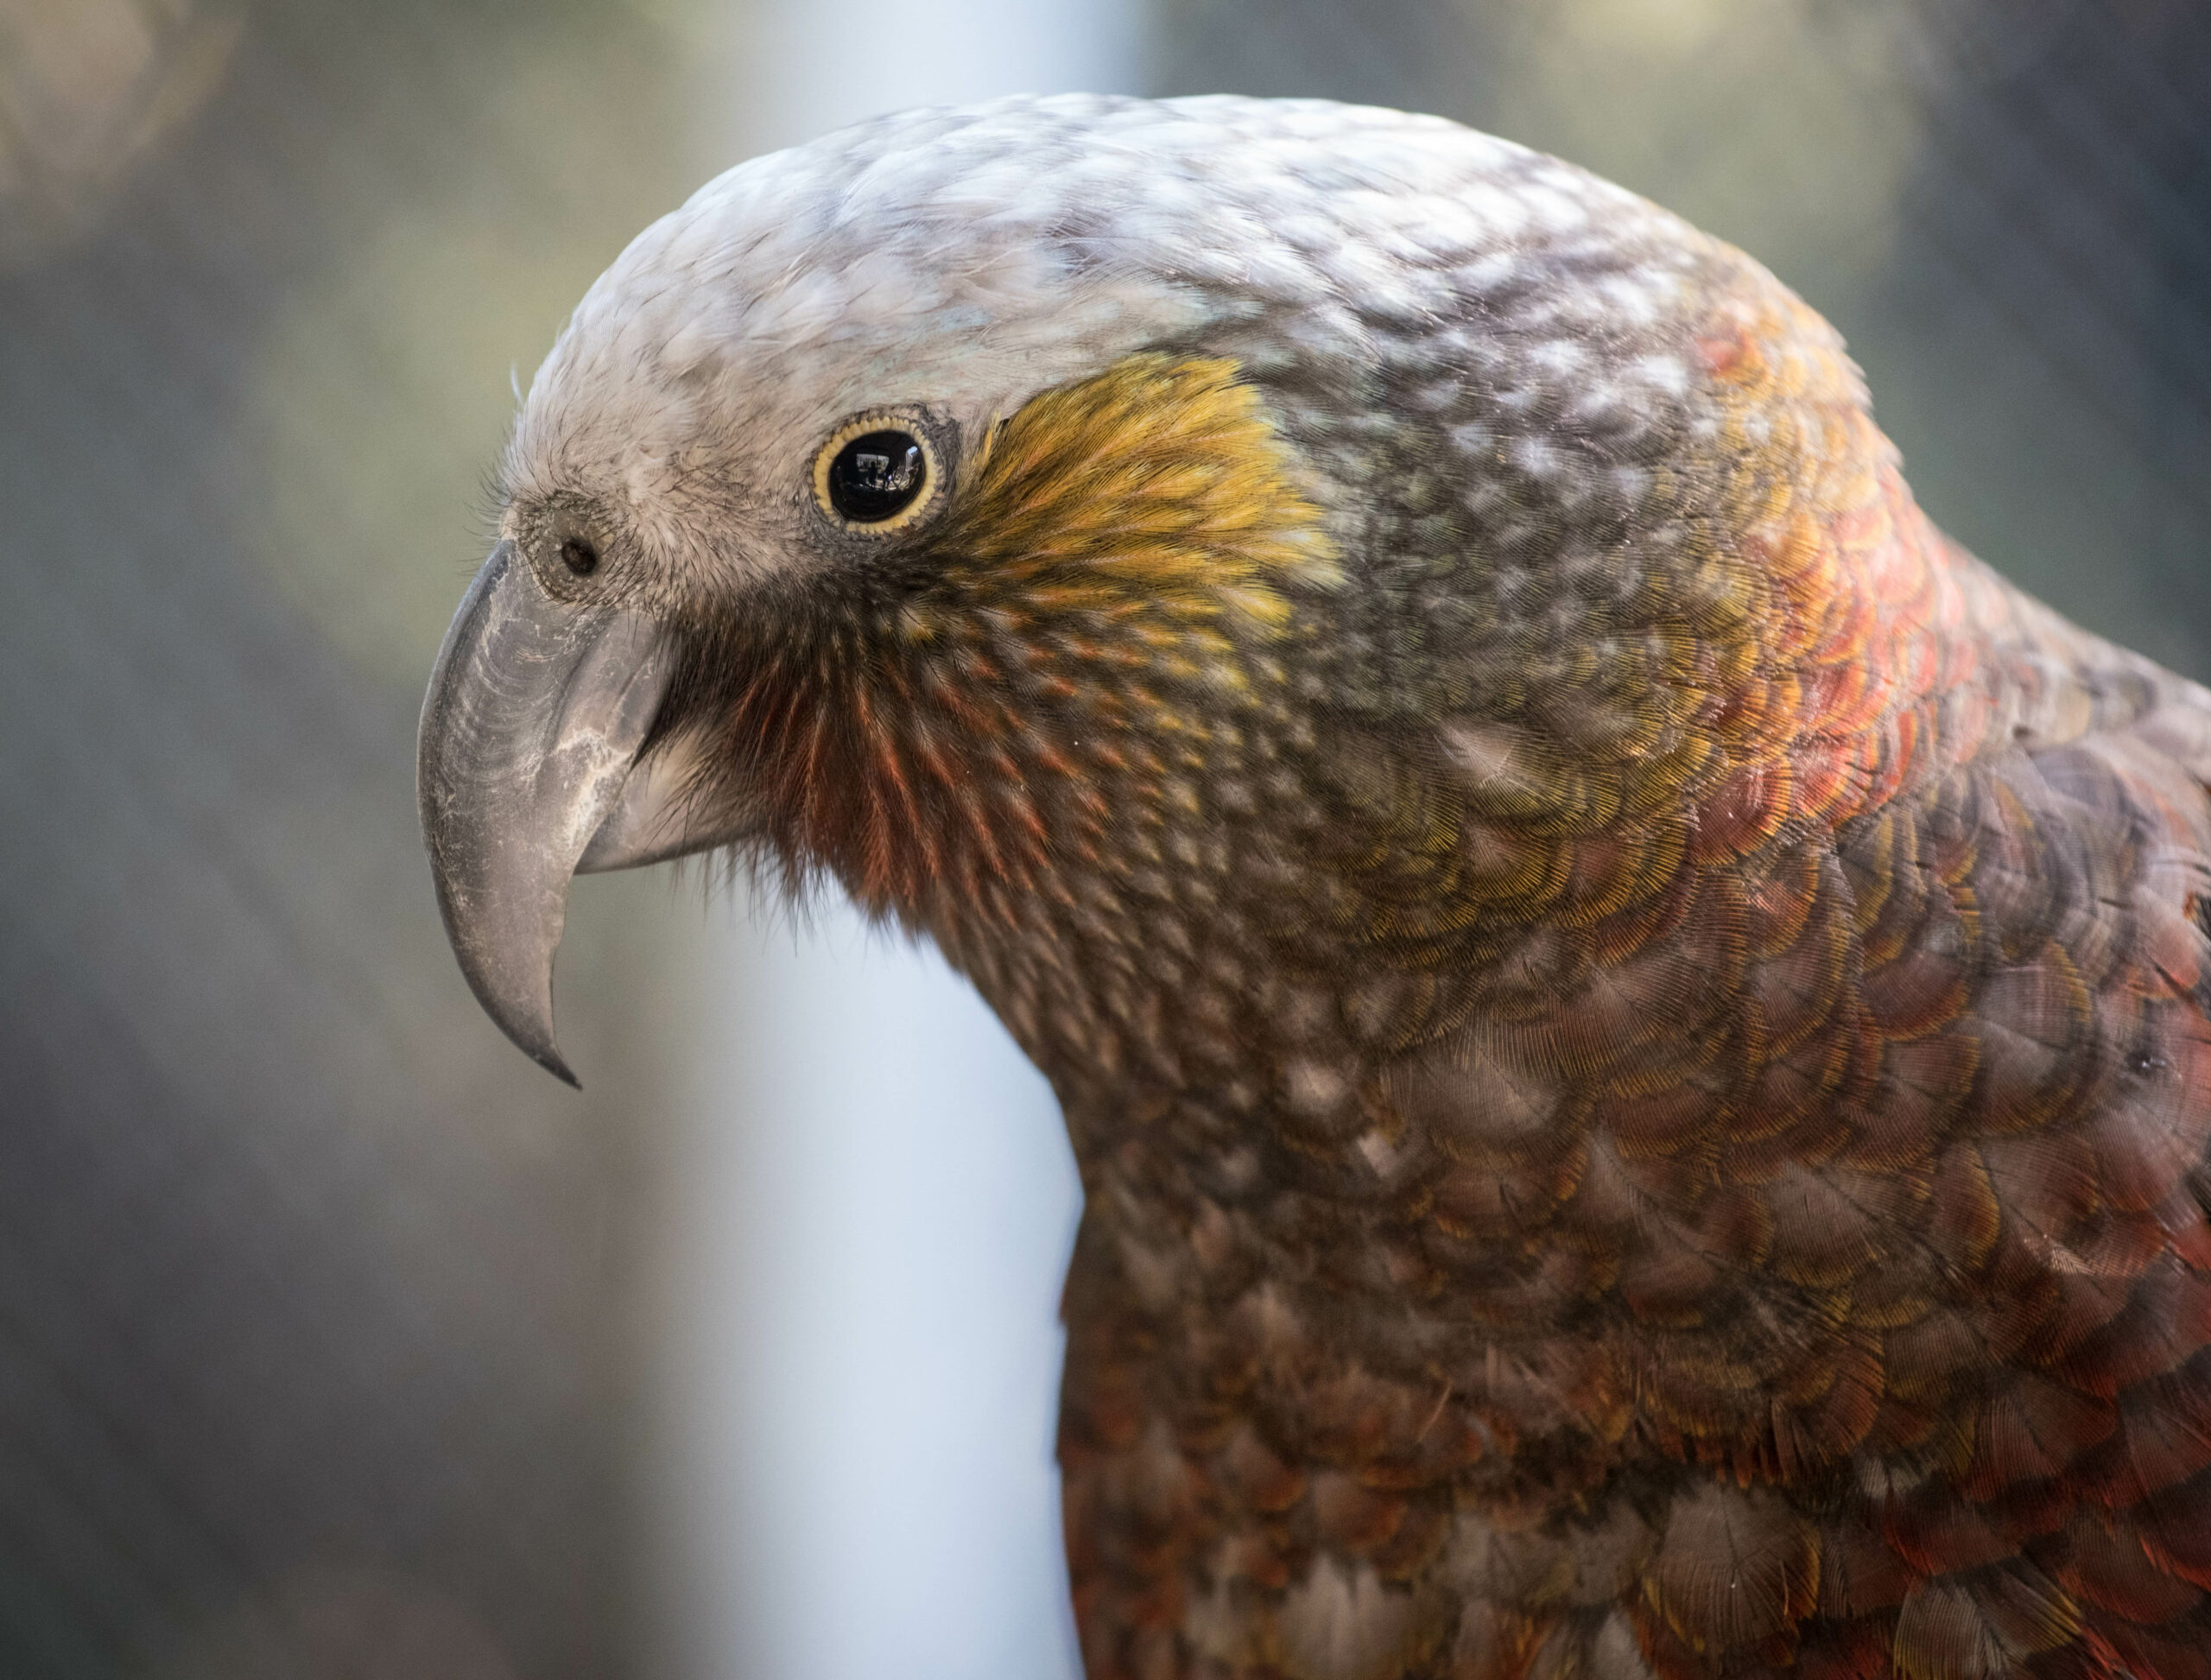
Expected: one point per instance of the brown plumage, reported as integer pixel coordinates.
(1744, 1207)
(1634, 1020)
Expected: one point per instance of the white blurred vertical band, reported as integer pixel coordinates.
(867, 1202)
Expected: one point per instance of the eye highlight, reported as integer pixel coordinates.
(877, 473)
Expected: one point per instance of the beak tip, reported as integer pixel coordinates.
(539, 1047)
(528, 1023)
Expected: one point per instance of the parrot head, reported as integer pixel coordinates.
(1114, 538)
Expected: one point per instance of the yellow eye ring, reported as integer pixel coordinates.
(877, 473)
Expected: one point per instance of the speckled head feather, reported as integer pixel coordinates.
(967, 259)
(1634, 1020)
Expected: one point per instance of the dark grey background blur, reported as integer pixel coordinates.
(325, 1320)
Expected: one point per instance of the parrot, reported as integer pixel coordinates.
(1635, 1022)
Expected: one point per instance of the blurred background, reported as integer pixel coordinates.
(335, 1339)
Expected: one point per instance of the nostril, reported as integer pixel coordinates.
(579, 556)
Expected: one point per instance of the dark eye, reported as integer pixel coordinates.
(579, 555)
(878, 475)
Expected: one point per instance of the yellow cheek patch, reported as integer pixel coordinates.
(1159, 486)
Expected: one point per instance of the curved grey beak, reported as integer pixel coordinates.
(527, 769)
